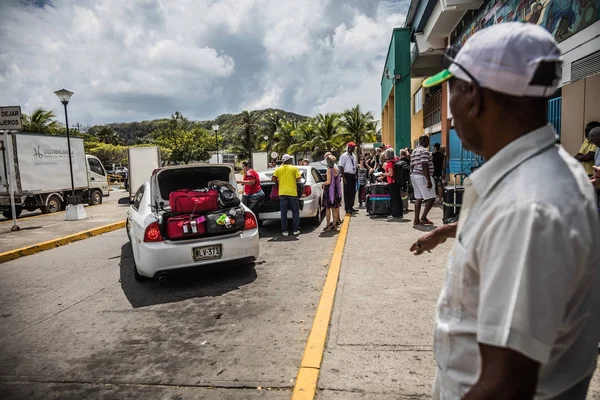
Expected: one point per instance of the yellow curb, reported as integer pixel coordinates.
(51, 244)
(308, 374)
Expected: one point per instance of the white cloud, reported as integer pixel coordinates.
(144, 59)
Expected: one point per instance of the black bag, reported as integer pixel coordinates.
(227, 194)
(234, 221)
(379, 188)
(452, 202)
(402, 173)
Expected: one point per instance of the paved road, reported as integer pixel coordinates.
(113, 197)
(75, 323)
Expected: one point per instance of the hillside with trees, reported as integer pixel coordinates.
(182, 140)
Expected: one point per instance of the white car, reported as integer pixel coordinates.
(311, 197)
(154, 253)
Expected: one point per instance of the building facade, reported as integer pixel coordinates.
(395, 91)
(436, 24)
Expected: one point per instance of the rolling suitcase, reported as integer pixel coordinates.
(378, 204)
(452, 201)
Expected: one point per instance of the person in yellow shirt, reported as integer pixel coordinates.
(287, 175)
(588, 149)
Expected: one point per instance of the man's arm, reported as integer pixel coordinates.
(434, 238)
(426, 174)
(586, 157)
(505, 374)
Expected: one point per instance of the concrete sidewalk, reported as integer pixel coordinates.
(43, 228)
(380, 343)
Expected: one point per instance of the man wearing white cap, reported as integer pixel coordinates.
(287, 176)
(518, 314)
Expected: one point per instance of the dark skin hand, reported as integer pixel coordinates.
(427, 176)
(585, 157)
(434, 238)
(505, 375)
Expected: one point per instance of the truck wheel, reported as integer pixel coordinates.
(8, 213)
(95, 198)
(53, 205)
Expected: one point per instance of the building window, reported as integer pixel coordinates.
(419, 100)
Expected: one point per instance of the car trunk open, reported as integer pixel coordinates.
(197, 177)
(269, 205)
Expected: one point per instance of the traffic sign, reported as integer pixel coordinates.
(10, 118)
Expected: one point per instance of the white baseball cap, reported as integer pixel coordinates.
(286, 157)
(514, 58)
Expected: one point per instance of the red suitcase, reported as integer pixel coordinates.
(184, 226)
(186, 201)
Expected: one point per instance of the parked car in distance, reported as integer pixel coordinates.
(310, 188)
(154, 252)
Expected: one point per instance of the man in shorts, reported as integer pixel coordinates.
(421, 170)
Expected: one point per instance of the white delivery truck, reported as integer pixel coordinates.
(142, 163)
(43, 178)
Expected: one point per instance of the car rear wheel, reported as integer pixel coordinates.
(136, 274)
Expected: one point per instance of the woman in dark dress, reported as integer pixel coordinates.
(333, 195)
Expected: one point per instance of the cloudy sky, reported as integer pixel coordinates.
(129, 60)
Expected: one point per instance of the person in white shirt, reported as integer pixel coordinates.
(348, 167)
(518, 315)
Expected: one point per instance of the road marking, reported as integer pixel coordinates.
(310, 366)
(51, 244)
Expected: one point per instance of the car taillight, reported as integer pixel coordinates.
(250, 221)
(152, 233)
(307, 191)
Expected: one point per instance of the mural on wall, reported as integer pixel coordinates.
(562, 18)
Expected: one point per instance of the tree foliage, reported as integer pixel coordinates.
(358, 126)
(185, 140)
(42, 121)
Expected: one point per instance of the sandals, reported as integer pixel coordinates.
(426, 222)
(330, 228)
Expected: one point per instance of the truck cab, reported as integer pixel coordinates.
(97, 177)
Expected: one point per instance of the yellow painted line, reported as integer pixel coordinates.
(310, 366)
(51, 244)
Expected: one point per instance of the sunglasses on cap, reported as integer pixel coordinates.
(448, 59)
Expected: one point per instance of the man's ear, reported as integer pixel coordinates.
(474, 98)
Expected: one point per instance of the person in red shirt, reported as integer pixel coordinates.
(393, 185)
(253, 193)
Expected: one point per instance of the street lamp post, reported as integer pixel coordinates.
(216, 129)
(77, 210)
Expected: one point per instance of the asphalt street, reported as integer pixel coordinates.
(76, 324)
(114, 196)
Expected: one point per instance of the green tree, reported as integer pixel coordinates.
(358, 126)
(107, 135)
(303, 134)
(186, 142)
(326, 136)
(271, 125)
(248, 125)
(40, 120)
(285, 137)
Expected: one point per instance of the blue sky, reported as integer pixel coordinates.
(145, 59)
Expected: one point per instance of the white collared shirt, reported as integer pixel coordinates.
(349, 163)
(524, 272)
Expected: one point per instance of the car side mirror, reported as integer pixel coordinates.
(125, 201)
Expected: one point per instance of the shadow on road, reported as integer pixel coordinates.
(182, 284)
(272, 230)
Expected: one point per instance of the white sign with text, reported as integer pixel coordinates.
(10, 118)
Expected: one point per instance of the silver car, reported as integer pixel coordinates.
(310, 188)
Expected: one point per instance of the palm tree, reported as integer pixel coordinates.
(304, 133)
(285, 137)
(107, 135)
(266, 140)
(358, 127)
(40, 120)
(249, 122)
(326, 136)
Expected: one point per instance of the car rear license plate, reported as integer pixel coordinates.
(207, 252)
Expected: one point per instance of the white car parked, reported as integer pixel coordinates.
(154, 253)
(311, 196)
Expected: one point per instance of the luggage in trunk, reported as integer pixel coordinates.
(225, 221)
(186, 201)
(271, 204)
(378, 204)
(185, 226)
